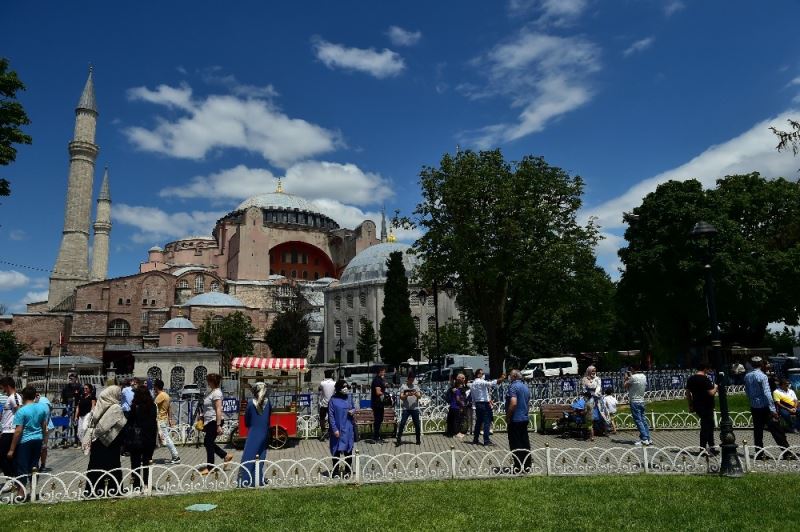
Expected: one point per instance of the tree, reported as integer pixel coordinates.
(788, 139)
(398, 333)
(755, 259)
(10, 351)
(12, 116)
(288, 336)
(504, 234)
(233, 336)
(454, 337)
(782, 341)
(367, 342)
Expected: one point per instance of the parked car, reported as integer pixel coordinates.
(551, 367)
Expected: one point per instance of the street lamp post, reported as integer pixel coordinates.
(730, 466)
(339, 346)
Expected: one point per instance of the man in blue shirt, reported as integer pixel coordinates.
(756, 385)
(517, 403)
(30, 436)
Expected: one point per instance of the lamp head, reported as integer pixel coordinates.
(703, 230)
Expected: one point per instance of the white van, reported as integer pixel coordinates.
(552, 367)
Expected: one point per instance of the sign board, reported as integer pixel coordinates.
(607, 382)
(230, 405)
(676, 381)
(568, 386)
(303, 400)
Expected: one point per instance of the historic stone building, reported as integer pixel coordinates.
(272, 251)
(359, 293)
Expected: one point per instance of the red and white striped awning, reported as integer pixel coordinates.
(268, 363)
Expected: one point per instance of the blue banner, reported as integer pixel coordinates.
(568, 386)
(230, 405)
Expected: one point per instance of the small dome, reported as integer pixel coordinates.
(155, 248)
(370, 264)
(213, 299)
(279, 200)
(179, 323)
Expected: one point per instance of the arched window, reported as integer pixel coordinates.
(119, 327)
(177, 378)
(337, 329)
(199, 285)
(183, 283)
(416, 324)
(214, 286)
(430, 302)
(362, 299)
(413, 299)
(154, 373)
(349, 300)
(178, 339)
(350, 327)
(216, 321)
(200, 373)
(337, 302)
(431, 323)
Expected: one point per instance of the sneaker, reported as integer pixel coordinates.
(639, 443)
(489, 444)
(176, 460)
(648, 442)
(397, 443)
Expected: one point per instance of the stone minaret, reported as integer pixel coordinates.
(72, 265)
(383, 224)
(102, 229)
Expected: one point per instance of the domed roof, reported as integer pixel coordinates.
(279, 200)
(179, 323)
(370, 264)
(156, 248)
(213, 299)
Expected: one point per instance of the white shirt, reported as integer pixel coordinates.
(209, 410)
(326, 389)
(481, 390)
(611, 404)
(636, 388)
(9, 409)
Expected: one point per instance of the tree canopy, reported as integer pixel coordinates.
(367, 341)
(233, 336)
(12, 117)
(756, 252)
(789, 139)
(10, 351)
(398, 333)
(454, 337)
(288, 336)
(506, 236)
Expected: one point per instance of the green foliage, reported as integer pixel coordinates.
(12, 116)
(233, 336)
(782, 341)
(755, 257)
(506, 236)
(10, 351)
(288, 335)
(367, 341)
(398, 333)
(454, 337)
(788, 139)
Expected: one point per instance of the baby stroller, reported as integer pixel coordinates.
(573, 425)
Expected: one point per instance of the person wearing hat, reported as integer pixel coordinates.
(409, 400)
(762, 407)
(341, 430)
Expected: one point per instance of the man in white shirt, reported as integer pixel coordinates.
(326, 390)
(636, 384)
(481, 392)
(13, 402)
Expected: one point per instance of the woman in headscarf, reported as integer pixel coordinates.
(340, 421)
(595, 405)
(141, 434)
(256, 419)
(103, 438)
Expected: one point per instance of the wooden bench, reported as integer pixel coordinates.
(364, 418)
(550, 413)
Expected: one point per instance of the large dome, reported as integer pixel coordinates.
(213, 299)
(279, 200)
(370, 264)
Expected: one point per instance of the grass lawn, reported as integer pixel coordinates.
(584, 503)
(736, 403)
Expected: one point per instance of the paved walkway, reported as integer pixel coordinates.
(74, 459)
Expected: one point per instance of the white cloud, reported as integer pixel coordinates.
(551, 12)
(401, 37)
(753, 150)
(672, 7)
(310, 179)
(795, 81)
(34, 297)
(219, 122)
(639, 46)
(12, 279)
(17, 234)
(154, 224)
(213, 76)
(350, 216)
(545, 75)
(606, 253)
(383, 64)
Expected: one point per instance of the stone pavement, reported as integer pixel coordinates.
(74, 459)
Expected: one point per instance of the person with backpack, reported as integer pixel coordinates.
(141, 432)
(12, 403)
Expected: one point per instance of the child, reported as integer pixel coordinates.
(611, 408)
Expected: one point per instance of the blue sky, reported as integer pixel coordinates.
(202, 106)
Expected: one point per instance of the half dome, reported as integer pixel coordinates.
(370, 264)
(213, 299)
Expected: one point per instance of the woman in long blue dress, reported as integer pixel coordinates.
(256, 419)
(340, 421)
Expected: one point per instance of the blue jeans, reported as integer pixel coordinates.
(483, 418)
(27, 456)
(414, 414)
(792, 420)
(637, 411)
